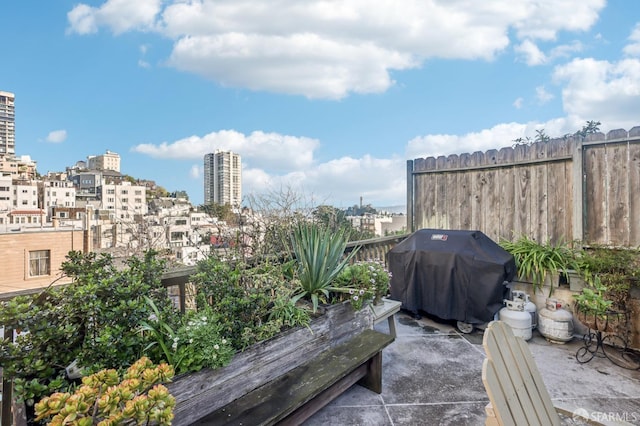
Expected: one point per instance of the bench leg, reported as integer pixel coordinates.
(392, 325)
(373, 379)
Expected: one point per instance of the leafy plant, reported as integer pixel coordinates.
(242, 297)
(94, 321)
(592, 299)
(320, 256)
(535, 261)
(287, 314)
(363, 281)
(105, 398)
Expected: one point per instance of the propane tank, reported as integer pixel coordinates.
(555, 323)
(514, 315)
(529, 306)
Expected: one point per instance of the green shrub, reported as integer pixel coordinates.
(94, 321)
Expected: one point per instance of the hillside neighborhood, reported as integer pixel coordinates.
(93, 207)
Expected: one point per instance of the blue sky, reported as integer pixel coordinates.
(326, 98)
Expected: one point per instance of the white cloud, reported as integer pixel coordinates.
(543, 20)
(518, 103)
(542, 95)
(331, 49)
(604, 91)
(340, 180)
(633, 48)
(499, 136)
(119, 15)
(531, 53)
(279, 153)
(57, 136)
(271, 160)
(196, 171)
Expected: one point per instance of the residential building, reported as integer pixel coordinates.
(379, 224)
(56, 193)
(223, 178)
(123, 199)
(7, 124)
(32, 256)
(86, 184)
(25, 194)
(107, 161)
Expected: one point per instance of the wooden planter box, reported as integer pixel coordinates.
(198, 394)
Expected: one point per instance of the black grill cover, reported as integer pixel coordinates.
(452, 274)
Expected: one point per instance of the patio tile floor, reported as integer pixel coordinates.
(432, 375)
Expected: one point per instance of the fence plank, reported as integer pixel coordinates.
(634, 194)
(530, 190)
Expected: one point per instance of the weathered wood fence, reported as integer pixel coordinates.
(562, 190)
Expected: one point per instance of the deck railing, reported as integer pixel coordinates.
(177, 281)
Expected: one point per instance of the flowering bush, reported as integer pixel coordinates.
(363, 281)
(104, 398)
(196, 344)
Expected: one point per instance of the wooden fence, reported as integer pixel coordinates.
(562, 190)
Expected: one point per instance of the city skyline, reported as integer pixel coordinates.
(331, 98)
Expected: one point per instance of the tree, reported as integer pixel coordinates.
(589, 128)
(221, 211)
(331, 217)
(541, 136)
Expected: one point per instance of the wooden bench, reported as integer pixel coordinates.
(298, 394)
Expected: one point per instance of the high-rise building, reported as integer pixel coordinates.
(7, 124)
(223, 178)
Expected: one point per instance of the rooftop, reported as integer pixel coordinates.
(432, 374)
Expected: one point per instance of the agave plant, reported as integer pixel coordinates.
(320, 256)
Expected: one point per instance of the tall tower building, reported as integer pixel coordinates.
(7, 124)
(223, 178)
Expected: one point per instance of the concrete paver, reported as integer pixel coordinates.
(432, 375)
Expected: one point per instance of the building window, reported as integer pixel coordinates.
(39, 263)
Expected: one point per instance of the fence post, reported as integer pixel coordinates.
(7, 388)
(579, 198)
(410, 196)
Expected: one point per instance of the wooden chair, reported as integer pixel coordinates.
(516, 391)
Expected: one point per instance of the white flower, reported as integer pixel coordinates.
(361, 292)
(350, 291)
(224, 341)
(355, 298)
(216, 347)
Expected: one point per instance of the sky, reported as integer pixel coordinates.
(327, 99)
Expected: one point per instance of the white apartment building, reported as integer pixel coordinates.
(57, 193)
(7, 124)
(25, 209)
(223, 178)
(107, 161)
(124, 200)
(6, 198)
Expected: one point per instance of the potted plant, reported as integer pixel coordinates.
(539, 263)
(594, 310)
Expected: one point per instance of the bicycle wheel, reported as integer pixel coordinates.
(615, 348)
